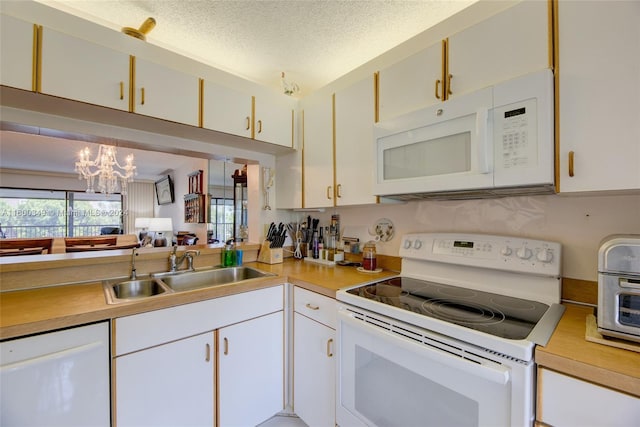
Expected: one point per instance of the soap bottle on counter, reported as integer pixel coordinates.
(369, 260)
(229, 254)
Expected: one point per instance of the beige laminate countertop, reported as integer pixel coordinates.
(570, 353)
(43, 309)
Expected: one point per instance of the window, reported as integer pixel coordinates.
(221, 219)
(50, 213)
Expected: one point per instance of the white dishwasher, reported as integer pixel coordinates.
(56, 379)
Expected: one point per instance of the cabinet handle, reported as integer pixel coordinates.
(259, 126)
(141, 96)
(121, 90)
(437, 87)
(312, 307)
(329, 342)
(207, 356)
(339, 190)
(571, 156)
(248, 123)
(226, 346)
(449, 77)
(328, 191)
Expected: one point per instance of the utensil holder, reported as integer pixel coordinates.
(269, 255)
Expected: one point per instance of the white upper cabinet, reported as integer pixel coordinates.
(510, 44)
(76, 69)
(289, 184)
(17, 47)
(226, 110)
(274, 119)
(411, 84)
(318, 151)
(354, 116)
(264, 118)
(165, 93)
(599, 49)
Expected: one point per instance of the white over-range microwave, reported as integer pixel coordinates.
(496, 141)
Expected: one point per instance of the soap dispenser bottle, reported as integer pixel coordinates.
(229, 254)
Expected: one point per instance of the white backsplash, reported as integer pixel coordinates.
(579, 223)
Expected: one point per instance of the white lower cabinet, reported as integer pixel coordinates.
(567, 401)
(314, 364)
(166, 370)
(251, 370)
(314, 372)
(167, 385)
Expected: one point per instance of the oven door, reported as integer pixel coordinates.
(391, 374)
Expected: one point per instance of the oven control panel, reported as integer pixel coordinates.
(489, 251)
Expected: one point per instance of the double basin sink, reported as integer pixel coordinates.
(169, 282)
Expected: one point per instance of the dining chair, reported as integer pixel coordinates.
(21, 246)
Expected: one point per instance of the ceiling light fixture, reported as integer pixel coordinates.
(289, 88)
(106, 167)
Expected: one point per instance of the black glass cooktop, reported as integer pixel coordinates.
(499, 315)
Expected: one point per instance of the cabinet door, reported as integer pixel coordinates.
(565, 401)
(251, 376)
(77, 69)
(411, 83)
(599, 95)
(510, 44)
(318, 152)
(289, 184)
(354, 117)
(168, 385)
(274, 119)
(165, 93)
(226, 110)
(314, 372)
(16, 45)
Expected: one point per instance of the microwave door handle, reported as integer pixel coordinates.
(482, 131)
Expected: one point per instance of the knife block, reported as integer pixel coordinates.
(269, 255)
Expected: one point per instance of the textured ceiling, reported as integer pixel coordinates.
(313, 42)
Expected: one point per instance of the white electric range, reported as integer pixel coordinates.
(451, 340)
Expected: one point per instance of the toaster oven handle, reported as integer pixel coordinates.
(629, 283)
(482, 132)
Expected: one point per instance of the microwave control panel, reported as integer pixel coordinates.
(515, 135)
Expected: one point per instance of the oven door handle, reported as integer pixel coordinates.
(494, 373)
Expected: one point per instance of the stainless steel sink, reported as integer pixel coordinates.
(124, 290)
(128, 290)
(206, 278)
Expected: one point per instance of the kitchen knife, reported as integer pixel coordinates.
(271, 232)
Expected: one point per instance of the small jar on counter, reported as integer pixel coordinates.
(369, 260)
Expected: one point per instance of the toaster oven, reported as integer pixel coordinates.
(619, 287)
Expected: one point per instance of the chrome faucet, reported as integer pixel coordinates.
(134, 254)
(175, 261)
